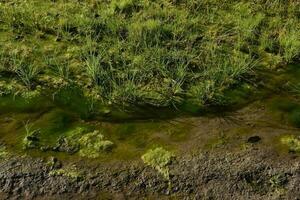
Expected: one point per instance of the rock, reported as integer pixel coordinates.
(64, 145)
(254, 139)
(54, 163)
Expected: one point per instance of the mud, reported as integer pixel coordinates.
(255, 173)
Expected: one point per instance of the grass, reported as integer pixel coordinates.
(31, 139)
(141, 52)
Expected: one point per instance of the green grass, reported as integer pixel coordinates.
(141, 52)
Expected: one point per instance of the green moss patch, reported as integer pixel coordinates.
(159, 159)
(71, 173)
(93, 144)
(292, 142)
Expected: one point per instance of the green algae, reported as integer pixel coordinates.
(286, 109)
(71, 97)
(60, 132)
(92, 144)
(22, 104)
(70, 172)
(3, 152)
(159, 159)
(292, 142)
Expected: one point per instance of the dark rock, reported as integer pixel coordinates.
(254, 139)
(64, 145)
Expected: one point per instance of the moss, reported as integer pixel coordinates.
(282, 104)
(3, 152)
(294, 117)
(72, 173)
(10, 103)
(217, 142)
(288, 109)
(92, 145)
(72, 98)
(292, 142)
(31, 95)
(159, 159)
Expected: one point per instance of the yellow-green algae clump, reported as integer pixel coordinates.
(159, 159)
(292, 142)
(93, 144)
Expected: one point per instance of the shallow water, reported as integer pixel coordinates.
(131, 138)
(136, 131)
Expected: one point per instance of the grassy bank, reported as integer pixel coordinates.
(141, 52)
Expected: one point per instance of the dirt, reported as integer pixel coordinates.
(216, 162)
(223, 175)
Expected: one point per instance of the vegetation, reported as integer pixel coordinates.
(31, 139)
(133, 52)
(159, 159)
(3, 152)
(70, 172)
(54, 137)
(92, 144)
(292, 142)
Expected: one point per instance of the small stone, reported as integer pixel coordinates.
(54, 163)
(254, 139)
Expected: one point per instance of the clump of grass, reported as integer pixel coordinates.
(59, 68)
(31, 139)
(26, 72)
(94, 69)
(159, 159)
(289, 40)
(278, 181)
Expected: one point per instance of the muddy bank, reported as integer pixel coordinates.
(255, 173)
